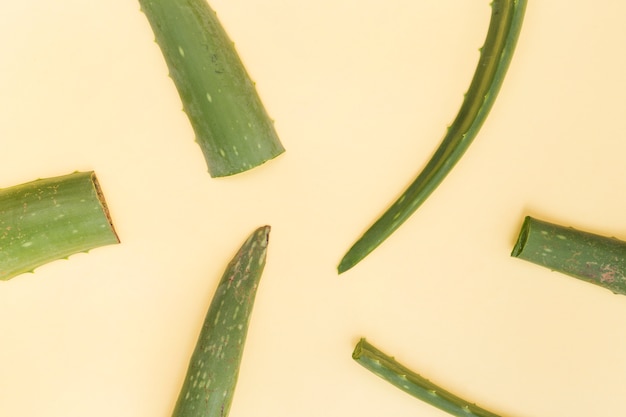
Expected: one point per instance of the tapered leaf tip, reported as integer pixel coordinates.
(344, 265)
(350, 259)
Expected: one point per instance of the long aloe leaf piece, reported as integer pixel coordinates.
(397, 374)
(587, 256)
(496, 54)
(230, 122)
(49, 219)
(214, 366)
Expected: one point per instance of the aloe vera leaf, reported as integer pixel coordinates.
(214, 366)
(495, 57)
(49, 219)
(389, 369)
(596, 259)
(229, 120)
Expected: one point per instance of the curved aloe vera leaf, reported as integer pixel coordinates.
(49, 219)
(596, 259)
(392, 371)
(214, 366)
(231, 125)
(496, 54)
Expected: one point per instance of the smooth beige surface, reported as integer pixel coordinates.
(361, 92)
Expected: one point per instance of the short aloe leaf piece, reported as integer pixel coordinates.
(495, 57)
(49, 219)
(596, 259)
(397, 374)
(214, 366)
(229, 120)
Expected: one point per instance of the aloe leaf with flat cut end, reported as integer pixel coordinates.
(49, 219)
(600, 260)
(389, 369)
(229, 120)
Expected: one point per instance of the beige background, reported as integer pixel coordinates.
(361, 92)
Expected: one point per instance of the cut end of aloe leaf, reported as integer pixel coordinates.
(522, 238)
(219, 166)
(105, 207)
(358, 349)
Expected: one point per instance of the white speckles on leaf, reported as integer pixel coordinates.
(181, 51)
(216, 359)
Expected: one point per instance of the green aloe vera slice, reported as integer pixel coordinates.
(214, 366)
(596, 259)
(230, 122)
(495, 57)
(392, 371)
(49, 219)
